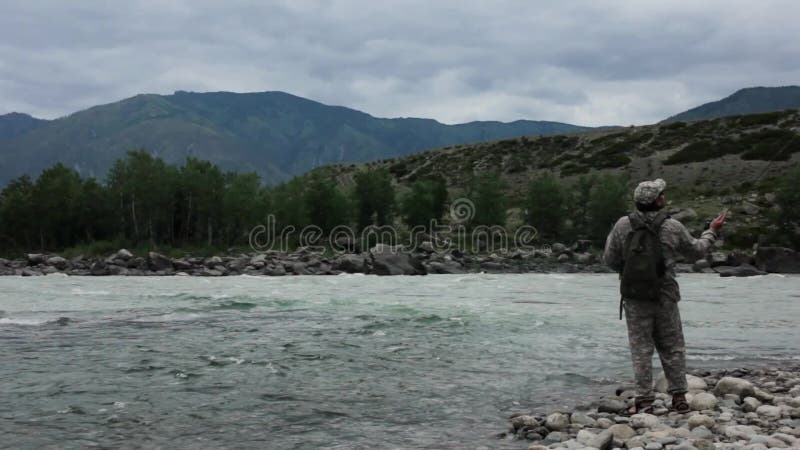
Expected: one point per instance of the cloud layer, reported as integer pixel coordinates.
(584, 62)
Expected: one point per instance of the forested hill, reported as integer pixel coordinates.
(274, 134)
(745, 101)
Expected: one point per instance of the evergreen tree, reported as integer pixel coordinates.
(424, 202)
(327, 207)
(608, 202)
(545, 204)
(374, 197)
(486, 193)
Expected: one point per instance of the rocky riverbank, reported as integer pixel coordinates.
(748, 409)
(385, 260)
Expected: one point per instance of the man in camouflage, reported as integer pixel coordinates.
(657, 325)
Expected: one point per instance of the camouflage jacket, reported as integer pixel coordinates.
(675, 242)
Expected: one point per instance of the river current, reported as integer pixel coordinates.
(348, 361)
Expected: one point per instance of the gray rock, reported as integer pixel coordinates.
(743, 432)
(99, 268)
(777, 260)
(212, 262)
(427, 246)
(622, 432)
(555, 437)
(701, 432)
(701, 264)
(524, 421)
(277, 271)
(445, 267)
(653, 446)
(35, 258)
(300, 268)
(586, 436)
(605, 423)
(732, 385)
(583, 419)
(387, 260)
(558, 248)
(718, 259)
(182, 264)
(350, 263)
(602, 441)
(123, 254)
(703, 401)
(27, 272)
(749, 208)
(206, 272)
(700, 420)
(158, 262)
(750, 404)
(58, 262)
(643, 421)
(562, 258)
(611, 405)
(763, 396)
(772, 412)
(557, 422)
(743, 270)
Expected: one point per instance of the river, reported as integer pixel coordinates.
(348, 361)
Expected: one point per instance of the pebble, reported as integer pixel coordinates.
(702, 432)
(622, 432)
(653, 446)
(582, 419)
(643, 421)
(557, 422)
(698, 420)
(604, 422)
(703, 401)
(555, 436)
(750, 404)
(732, 385)
(773, 412)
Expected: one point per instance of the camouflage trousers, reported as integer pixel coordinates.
(656, 325)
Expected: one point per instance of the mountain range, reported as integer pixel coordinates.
(274, 134)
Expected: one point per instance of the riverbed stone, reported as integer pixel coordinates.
(694, 383)
(557, 422)
(601, 441)
(702, 432)
(733, 385)
(158, 262)
(743, 432)
(703, 401)
(772, 412)
(611, 405)
(750, 404)
(524, 421)
(643, 421)
(581, 418)
(698, 420)
(605, 423)
(555, 437)
(622, 432)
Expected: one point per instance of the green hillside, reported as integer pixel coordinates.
(745, 101)
(272, 133)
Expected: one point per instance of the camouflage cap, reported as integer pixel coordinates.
(648, 191)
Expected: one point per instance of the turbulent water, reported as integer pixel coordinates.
(339, 362)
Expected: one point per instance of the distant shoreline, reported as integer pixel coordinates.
(382, 260)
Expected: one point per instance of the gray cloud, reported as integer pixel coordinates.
(586, 62)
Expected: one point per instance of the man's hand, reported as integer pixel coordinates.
(719, 221)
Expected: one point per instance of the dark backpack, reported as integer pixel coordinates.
(643, 261)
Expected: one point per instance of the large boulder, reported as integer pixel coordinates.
(123, 254)
(158, 262)
(35, 258)
(388, 260)
(735, 386)
(58, 262)
(777, 260)
(742, 270)
(99, 268)
(445, 267)
(703, 401)
(350, 263)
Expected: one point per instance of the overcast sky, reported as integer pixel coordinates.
(584, 62)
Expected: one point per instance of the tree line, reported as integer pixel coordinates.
(145, 202)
